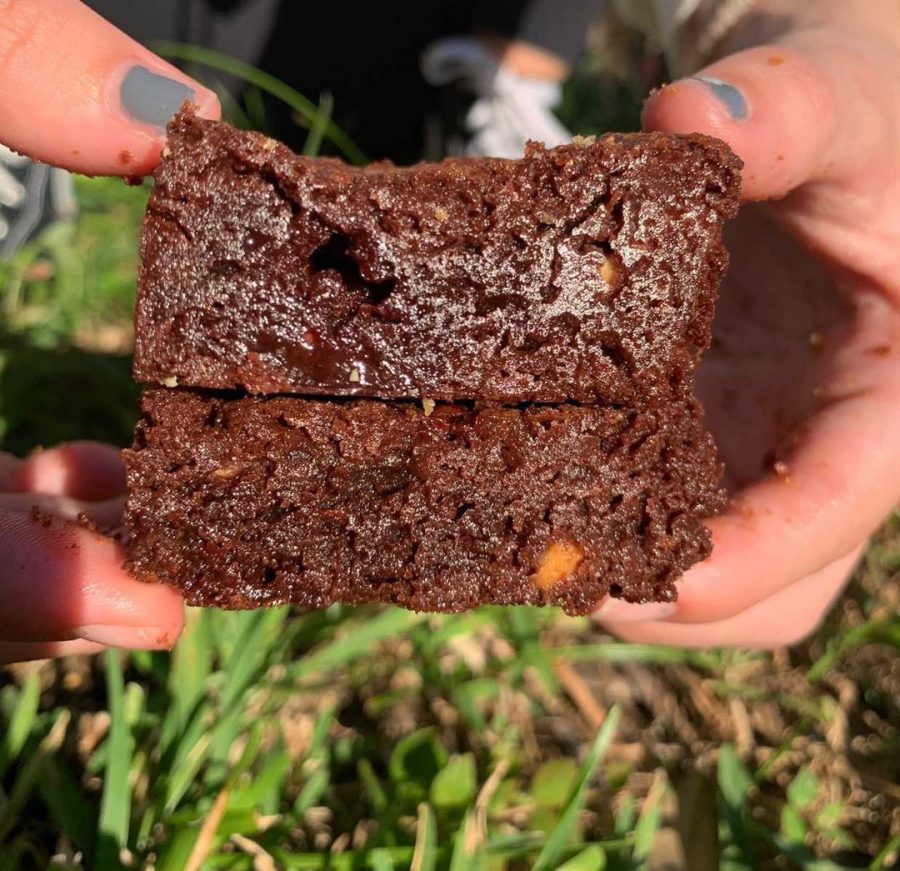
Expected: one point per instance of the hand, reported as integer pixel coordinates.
(77, 93)
(802, 385)
(62, 587)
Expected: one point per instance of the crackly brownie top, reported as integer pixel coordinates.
(583, 272)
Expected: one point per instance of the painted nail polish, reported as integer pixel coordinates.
(151, 98)
(728, 95)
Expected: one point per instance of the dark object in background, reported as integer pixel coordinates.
(366, 55)
(537, 280)
(244, 503)
(368, 60)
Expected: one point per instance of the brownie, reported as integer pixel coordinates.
(586, 272)
(242, 502)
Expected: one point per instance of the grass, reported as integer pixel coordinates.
(379, 739)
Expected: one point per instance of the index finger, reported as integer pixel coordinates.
(76, 92)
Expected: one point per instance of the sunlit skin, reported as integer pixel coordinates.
(802, 386)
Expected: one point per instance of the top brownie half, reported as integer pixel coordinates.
(586, 272)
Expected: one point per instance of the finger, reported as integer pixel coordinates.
(793, 114)
(107, 514)
(66, 582)
(76, 92)
(785, 618)
(27, 651)
(82, 470)
(832, 493)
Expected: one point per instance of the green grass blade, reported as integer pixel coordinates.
(880, 861)
(176, 852)
(554, 847)
(64, 798)
(802, 857)
(468, 853)
(356, 642)
(885, 632)
(259, 634)
(592, 858)
(21, 721)
(735, 837)
(267, 784)
(313, 790)
(256, 108)
(313, 144)
(183, 776)
(255, 651)
(649, 820)
(269, 84)
(455, 785)
(31, 770)
(189, 669)
(115, 804)
(380, 860)
(425, 853)
(374, 791)
(12, 854)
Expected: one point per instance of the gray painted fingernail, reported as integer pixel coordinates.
(729, 95)
(151, 98)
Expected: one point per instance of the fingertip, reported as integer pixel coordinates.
(770, 104)
(84, 470)
(207, 104)
(144, 95)
(161, 637)
(80, 94)
(618, 611)
(64, 576)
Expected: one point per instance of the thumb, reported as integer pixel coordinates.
(792, 113)
(60, 581)
(78, 93)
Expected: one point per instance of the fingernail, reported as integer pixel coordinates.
(617, 611)
(151, 98)
(128, 637)
(728, 95)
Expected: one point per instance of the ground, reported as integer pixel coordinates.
(375, 738)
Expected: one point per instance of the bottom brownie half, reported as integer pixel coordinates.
(244, 502)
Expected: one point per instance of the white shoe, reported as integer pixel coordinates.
(509, 109)
(31, 196)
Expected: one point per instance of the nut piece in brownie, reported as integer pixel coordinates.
(249, 502)
(586, 272)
